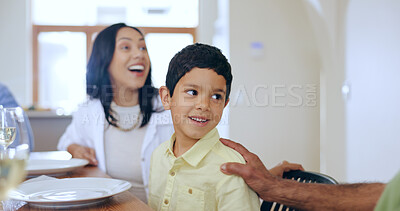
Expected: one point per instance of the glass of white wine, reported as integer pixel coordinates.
(12, 160)
(8, 126)
(12, 168)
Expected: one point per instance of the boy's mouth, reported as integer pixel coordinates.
(200, 121)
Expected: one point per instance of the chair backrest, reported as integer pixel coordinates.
(299, 176)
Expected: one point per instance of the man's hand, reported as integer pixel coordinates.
(254, 173)
(285, 166)
(79, 151)
(302, 196)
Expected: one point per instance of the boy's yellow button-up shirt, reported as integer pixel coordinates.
(194, 181)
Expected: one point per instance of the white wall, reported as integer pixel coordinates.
(373, 72)
(358, 45)
(207, 16)
(327, 19)
(15, 50)
(289, 61)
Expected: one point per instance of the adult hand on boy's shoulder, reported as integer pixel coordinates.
(254, 161)
(254, 173)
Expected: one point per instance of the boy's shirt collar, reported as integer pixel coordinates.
(199, 150)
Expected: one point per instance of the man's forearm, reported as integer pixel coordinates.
(325, 197)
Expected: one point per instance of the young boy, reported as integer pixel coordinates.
(185, 171)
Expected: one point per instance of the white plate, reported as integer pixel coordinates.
(71, 192)
(50, 155)
(39, 167)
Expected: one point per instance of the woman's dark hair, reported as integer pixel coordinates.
(98, 83)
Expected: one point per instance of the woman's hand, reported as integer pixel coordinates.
(285, 166)
(79, 151)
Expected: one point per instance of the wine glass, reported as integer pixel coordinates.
(12, 160)
(8, 126)
(12, 168)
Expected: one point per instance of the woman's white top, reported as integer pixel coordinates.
(88, 126)
(119, 144)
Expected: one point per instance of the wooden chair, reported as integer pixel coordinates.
(299, 176)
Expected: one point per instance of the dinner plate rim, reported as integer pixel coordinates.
(17, 195)
(72, 163)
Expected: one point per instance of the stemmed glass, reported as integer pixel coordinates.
(8, 126)
(12, 160)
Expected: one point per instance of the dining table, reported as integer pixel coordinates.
(122, 201)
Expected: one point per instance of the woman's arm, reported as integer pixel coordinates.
(79, 151)
(75, 139)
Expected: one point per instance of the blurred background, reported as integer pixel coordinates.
(315, 81)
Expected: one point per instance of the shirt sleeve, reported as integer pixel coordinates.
(390, 199)
(6, 98)
(80, 130)
(234, 194)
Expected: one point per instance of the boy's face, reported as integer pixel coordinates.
(197, 103)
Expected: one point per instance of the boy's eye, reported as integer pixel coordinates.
(192, 92)
(217, 97)
(143, 48)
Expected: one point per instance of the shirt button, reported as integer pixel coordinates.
(172, 173)
(166, 201)
(190, 191)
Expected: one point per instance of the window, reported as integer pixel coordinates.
(62, 43)
(60, 63)
(171, 44)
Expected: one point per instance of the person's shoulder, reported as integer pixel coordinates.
(6, 97)
(227, 154)
(90, 105)
(90, 110)
(162, 148)
(3, 87)
(159, 153)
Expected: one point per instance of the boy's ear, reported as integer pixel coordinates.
(226, 103)
(165, 98)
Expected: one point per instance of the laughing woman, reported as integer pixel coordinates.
(123, 120)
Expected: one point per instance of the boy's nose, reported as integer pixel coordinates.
(203, 104)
